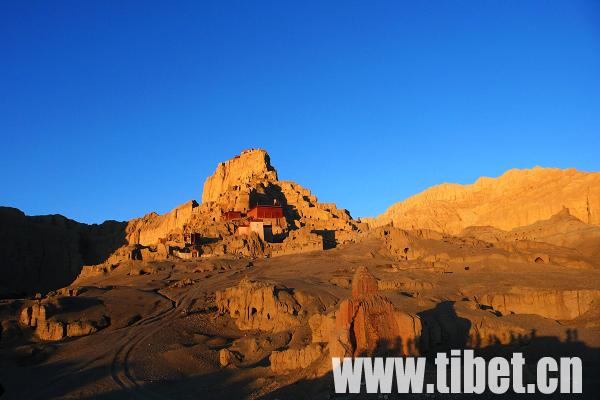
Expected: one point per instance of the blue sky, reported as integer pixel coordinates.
(111, 110)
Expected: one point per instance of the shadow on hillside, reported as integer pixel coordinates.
(329, 241)
(58, 379)
(44, 253)
(547, 346)
(62, 379)
(443, 320)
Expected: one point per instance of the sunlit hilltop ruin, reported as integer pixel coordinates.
(250, 292)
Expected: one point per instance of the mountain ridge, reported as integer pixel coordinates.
(518, 197)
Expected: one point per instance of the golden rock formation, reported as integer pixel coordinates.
(235, 176)
(368, 324)
(517, 198)
(260, 306)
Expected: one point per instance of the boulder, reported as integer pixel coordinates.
(227, 357)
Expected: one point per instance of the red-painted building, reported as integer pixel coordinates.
(231, 215)
(269, 212)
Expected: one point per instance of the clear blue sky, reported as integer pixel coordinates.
(111, 110)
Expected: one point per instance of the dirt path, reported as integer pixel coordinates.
(120, 366)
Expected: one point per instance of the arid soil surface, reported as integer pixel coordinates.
(166, 330)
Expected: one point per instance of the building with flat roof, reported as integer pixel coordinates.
(231, 215)
(265, 212)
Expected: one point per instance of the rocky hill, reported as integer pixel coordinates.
(48, 252)
(239, 184)
(517, 198)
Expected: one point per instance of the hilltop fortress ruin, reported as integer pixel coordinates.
(245, 211)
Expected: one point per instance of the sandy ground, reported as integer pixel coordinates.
(164, 342)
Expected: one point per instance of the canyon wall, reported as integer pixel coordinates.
(42, 253)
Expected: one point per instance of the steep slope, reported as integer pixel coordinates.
(517, 198)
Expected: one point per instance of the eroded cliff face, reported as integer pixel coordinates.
(236, 175)
(369, 324)
(260, 306)
(52, 321)
(517, 198)
(42, 253)
(555, 304)
(237, 185)
(151, 227)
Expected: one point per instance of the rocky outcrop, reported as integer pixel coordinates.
(517, 198)
(317, 217)
(33, 314)
(235, 173)
(229, 357)
(286, 360)
(322, 327)
(479, 247)
(250, 179)
(562, 229)
(39, 254)
(251, 349)
(55, 318)
(250, 246)
(368, 324)
(492, 331)
(400, 244)
(548, 303)
(302, 240)
(260, 306)
(9, 330)
(152, 227)
(404, 283)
